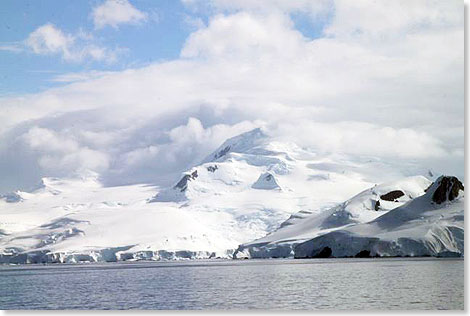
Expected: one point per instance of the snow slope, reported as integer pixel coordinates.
(225, 201)
(80, 220)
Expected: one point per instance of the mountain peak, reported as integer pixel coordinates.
(240, 143)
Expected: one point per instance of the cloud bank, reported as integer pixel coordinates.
(384, 79)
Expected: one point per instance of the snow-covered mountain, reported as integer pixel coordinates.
(253, 187)
(430, 225)
(411, 217)
(361, 208)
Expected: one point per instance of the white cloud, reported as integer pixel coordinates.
(362, 139)
(50, 40)
(116, 12)
(59, 153)
(11, 47)
(179, 148)
(393, 91)
(390, 19)
(80, 76)
(244, 35)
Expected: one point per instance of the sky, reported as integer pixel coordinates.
(138, 91)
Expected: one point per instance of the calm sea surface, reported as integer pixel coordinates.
(249, 284)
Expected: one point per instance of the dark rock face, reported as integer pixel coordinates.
(447, 190)
(324, 253)
(212, 168)
(182, 185)
(449, 254)
(363, 254)
(392, 196)
(221, 153)
(377, 205)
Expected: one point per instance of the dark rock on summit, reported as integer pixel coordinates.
(392, 196)
(447, 190)
(222, 153)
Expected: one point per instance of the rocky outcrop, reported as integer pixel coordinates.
(222, 153)
(182, 185)
(212, 168)
(363, 254)
(324, 253)
(178, 192)
(447, 189)
(377, 205)
(392, 195)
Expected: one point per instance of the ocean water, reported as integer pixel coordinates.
(335, 284)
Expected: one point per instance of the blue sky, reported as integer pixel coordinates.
(159, 38)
